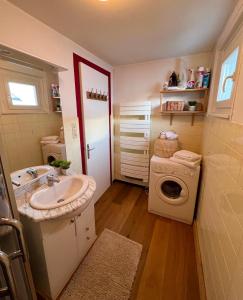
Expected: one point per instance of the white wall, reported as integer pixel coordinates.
(22, 32)
(142, 82)
(220, 211)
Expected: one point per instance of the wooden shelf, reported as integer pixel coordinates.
(182, 113)
(183, 91)
(58, 111)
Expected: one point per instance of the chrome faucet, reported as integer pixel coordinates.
(51, 179)
(32, 172)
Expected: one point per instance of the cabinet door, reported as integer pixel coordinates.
(60, 247)
(85, 224)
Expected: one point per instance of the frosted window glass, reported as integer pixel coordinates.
(23, 94)
(228, 69)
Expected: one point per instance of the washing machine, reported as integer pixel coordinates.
(172, 189)
(53, 152)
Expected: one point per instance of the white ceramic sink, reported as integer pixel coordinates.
(23, 178)
(67, 190)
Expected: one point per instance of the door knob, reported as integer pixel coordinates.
(88, 150)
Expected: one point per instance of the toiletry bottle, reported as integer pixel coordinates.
(191, 81)
(206, 78)
(200, 73)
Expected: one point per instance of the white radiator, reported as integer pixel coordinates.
(135, 141)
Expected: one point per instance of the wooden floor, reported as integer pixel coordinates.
(167, 269)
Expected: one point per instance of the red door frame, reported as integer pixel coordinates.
(76, 61)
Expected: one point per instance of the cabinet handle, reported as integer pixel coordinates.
(79, 215)
(87, 228)
(72, 220)
(88, 238)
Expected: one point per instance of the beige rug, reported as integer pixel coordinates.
(107, 272)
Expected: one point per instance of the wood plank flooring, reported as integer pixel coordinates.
(167, 269)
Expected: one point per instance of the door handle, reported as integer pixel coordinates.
(232, 77)
(88, 150)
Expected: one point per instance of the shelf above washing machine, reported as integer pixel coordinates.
(184, 96)
(183, 113)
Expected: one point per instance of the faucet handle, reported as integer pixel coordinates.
(33, 172)
(51, 179)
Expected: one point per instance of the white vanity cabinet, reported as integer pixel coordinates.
(85, 230)
(57, 247)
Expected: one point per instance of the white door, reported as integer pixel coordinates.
(96, 128)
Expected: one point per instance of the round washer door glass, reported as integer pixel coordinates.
(172, 190)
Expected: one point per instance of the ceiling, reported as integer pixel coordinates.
(130, 31)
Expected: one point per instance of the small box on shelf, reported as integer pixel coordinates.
(55, 95)
(183, 107)
(55, 91)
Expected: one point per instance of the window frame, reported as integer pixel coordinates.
(224, 108)
(34, 88)
(224, 55)
(11, 72)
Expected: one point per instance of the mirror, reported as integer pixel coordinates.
(31, 125)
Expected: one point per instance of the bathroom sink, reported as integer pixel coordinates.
(67, 190)
(21, 177)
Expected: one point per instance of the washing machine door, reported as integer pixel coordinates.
(51, 157)
(172, 190)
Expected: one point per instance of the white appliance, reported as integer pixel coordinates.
(53, 152)
(172, 189)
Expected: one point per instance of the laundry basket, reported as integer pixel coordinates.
(165, 148)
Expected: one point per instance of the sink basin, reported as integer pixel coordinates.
(60, 194)
(23, 178)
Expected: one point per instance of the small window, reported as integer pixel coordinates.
(22, 94)
(227, 76)
(22, 89)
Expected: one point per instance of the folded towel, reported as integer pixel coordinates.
(187, 155)
(50, 138)
(170, 135)
(185, 162)
(49, 142)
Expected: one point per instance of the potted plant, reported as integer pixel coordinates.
(57, 165)
(192, 105)
(65, 165)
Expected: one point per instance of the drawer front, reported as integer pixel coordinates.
(86, 234)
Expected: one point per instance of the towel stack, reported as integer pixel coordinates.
(187, 158)
(53, 139)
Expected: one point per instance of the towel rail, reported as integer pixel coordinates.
(135, 141)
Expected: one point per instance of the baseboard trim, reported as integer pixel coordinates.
(202, 288)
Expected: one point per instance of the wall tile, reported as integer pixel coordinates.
(21, 137)
(220, 217)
